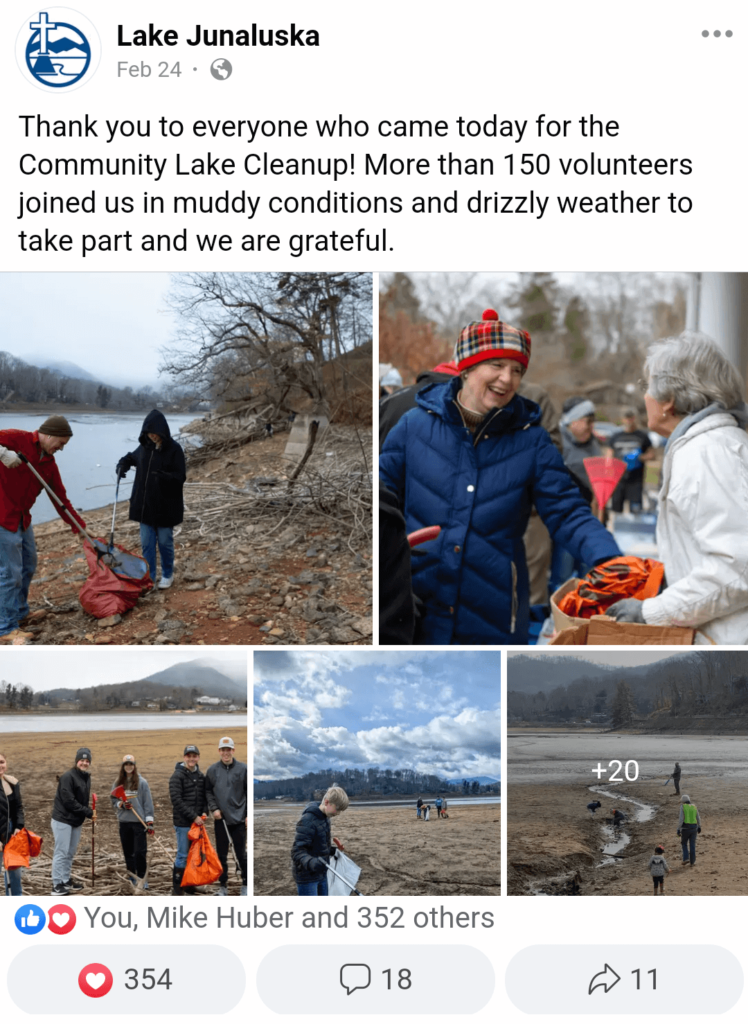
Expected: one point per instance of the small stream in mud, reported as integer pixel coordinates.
(616, 837)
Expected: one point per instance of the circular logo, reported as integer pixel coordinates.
(30, 919)
(61, 919)
(95, 980)
(221, 68)
(57, 48)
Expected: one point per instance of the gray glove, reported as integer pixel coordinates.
(628, 610)
(9, 459)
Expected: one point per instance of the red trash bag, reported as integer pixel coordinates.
(612, 581)
(113, 590)
(203, 863)
(20, 848)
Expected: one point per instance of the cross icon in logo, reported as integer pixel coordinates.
(44, 25)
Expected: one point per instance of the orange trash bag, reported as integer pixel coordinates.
(20, 848)
(627, 576)
(203, 863)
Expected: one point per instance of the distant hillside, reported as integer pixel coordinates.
(482, 780)
(206, 676)
(61, 366)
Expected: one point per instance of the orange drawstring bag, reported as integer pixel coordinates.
(20, 847)
(203, 863)
(627, 576)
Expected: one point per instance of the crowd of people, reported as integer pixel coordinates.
(220, 793)
(476, 450)
(27, 463)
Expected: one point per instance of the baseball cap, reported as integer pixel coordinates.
(226, 741)
(191, 749)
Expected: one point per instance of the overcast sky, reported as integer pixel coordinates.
(431, 712)
(111, 325)
(46, 669)
(607, 657)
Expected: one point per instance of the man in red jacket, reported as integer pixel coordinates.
(19, 489)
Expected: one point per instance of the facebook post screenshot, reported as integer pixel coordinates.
(251, 259)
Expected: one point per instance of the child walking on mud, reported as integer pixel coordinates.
(657, 869)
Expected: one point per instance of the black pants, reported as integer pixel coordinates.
(676, 783)
(688, 842)
(239, 839)
(133, 837)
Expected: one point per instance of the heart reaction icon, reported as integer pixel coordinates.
(61, 919)
(95, 980)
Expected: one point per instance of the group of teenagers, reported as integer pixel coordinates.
(220, 793)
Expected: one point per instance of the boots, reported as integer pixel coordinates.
(176, 881)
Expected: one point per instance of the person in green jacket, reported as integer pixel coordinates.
(689, 825)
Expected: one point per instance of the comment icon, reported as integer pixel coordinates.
(354, 976)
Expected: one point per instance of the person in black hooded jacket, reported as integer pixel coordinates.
(311, 848)
(156, 501)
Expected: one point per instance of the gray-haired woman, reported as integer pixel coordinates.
(694, 397)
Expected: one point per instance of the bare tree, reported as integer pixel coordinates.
(247, 334)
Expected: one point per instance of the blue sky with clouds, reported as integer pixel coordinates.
(433, 712)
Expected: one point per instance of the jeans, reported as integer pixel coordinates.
(17, 566)
(418, 812)
(183, 845)
(688, 842)
(164, 535)
(239, 839)
(66, 843)
(14, 875)
(312, 888)
(132, 835)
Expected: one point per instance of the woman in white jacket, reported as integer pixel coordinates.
(694, 397)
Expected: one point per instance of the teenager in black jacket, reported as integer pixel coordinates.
(311, 849)
(11, 821)
(188, 802)
(156, 501)
(69, 812)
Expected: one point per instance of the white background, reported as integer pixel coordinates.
(646, 65)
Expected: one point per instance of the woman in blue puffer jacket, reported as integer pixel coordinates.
(473, 459)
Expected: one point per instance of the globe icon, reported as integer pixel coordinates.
(57, 53)
(221, 68)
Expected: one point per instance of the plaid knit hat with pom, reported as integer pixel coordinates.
(489, 338)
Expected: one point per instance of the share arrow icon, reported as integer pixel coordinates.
(605, 979)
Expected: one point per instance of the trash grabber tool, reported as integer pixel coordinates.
(231, 844)
(344, 880)
(93, 841)
(96, 545)
(114, 516)
(119, 794)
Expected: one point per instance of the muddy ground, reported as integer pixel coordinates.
(292, 582)
(555, 845)
(398, 854)
(35, 759)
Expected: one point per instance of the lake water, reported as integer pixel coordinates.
(87, 463)
(269, 807)
(571, 757)
(118, 723)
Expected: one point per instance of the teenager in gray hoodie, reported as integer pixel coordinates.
(132, 812)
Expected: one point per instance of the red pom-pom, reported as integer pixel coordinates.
(490, 314)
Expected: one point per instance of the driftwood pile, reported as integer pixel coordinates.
(335, 486)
